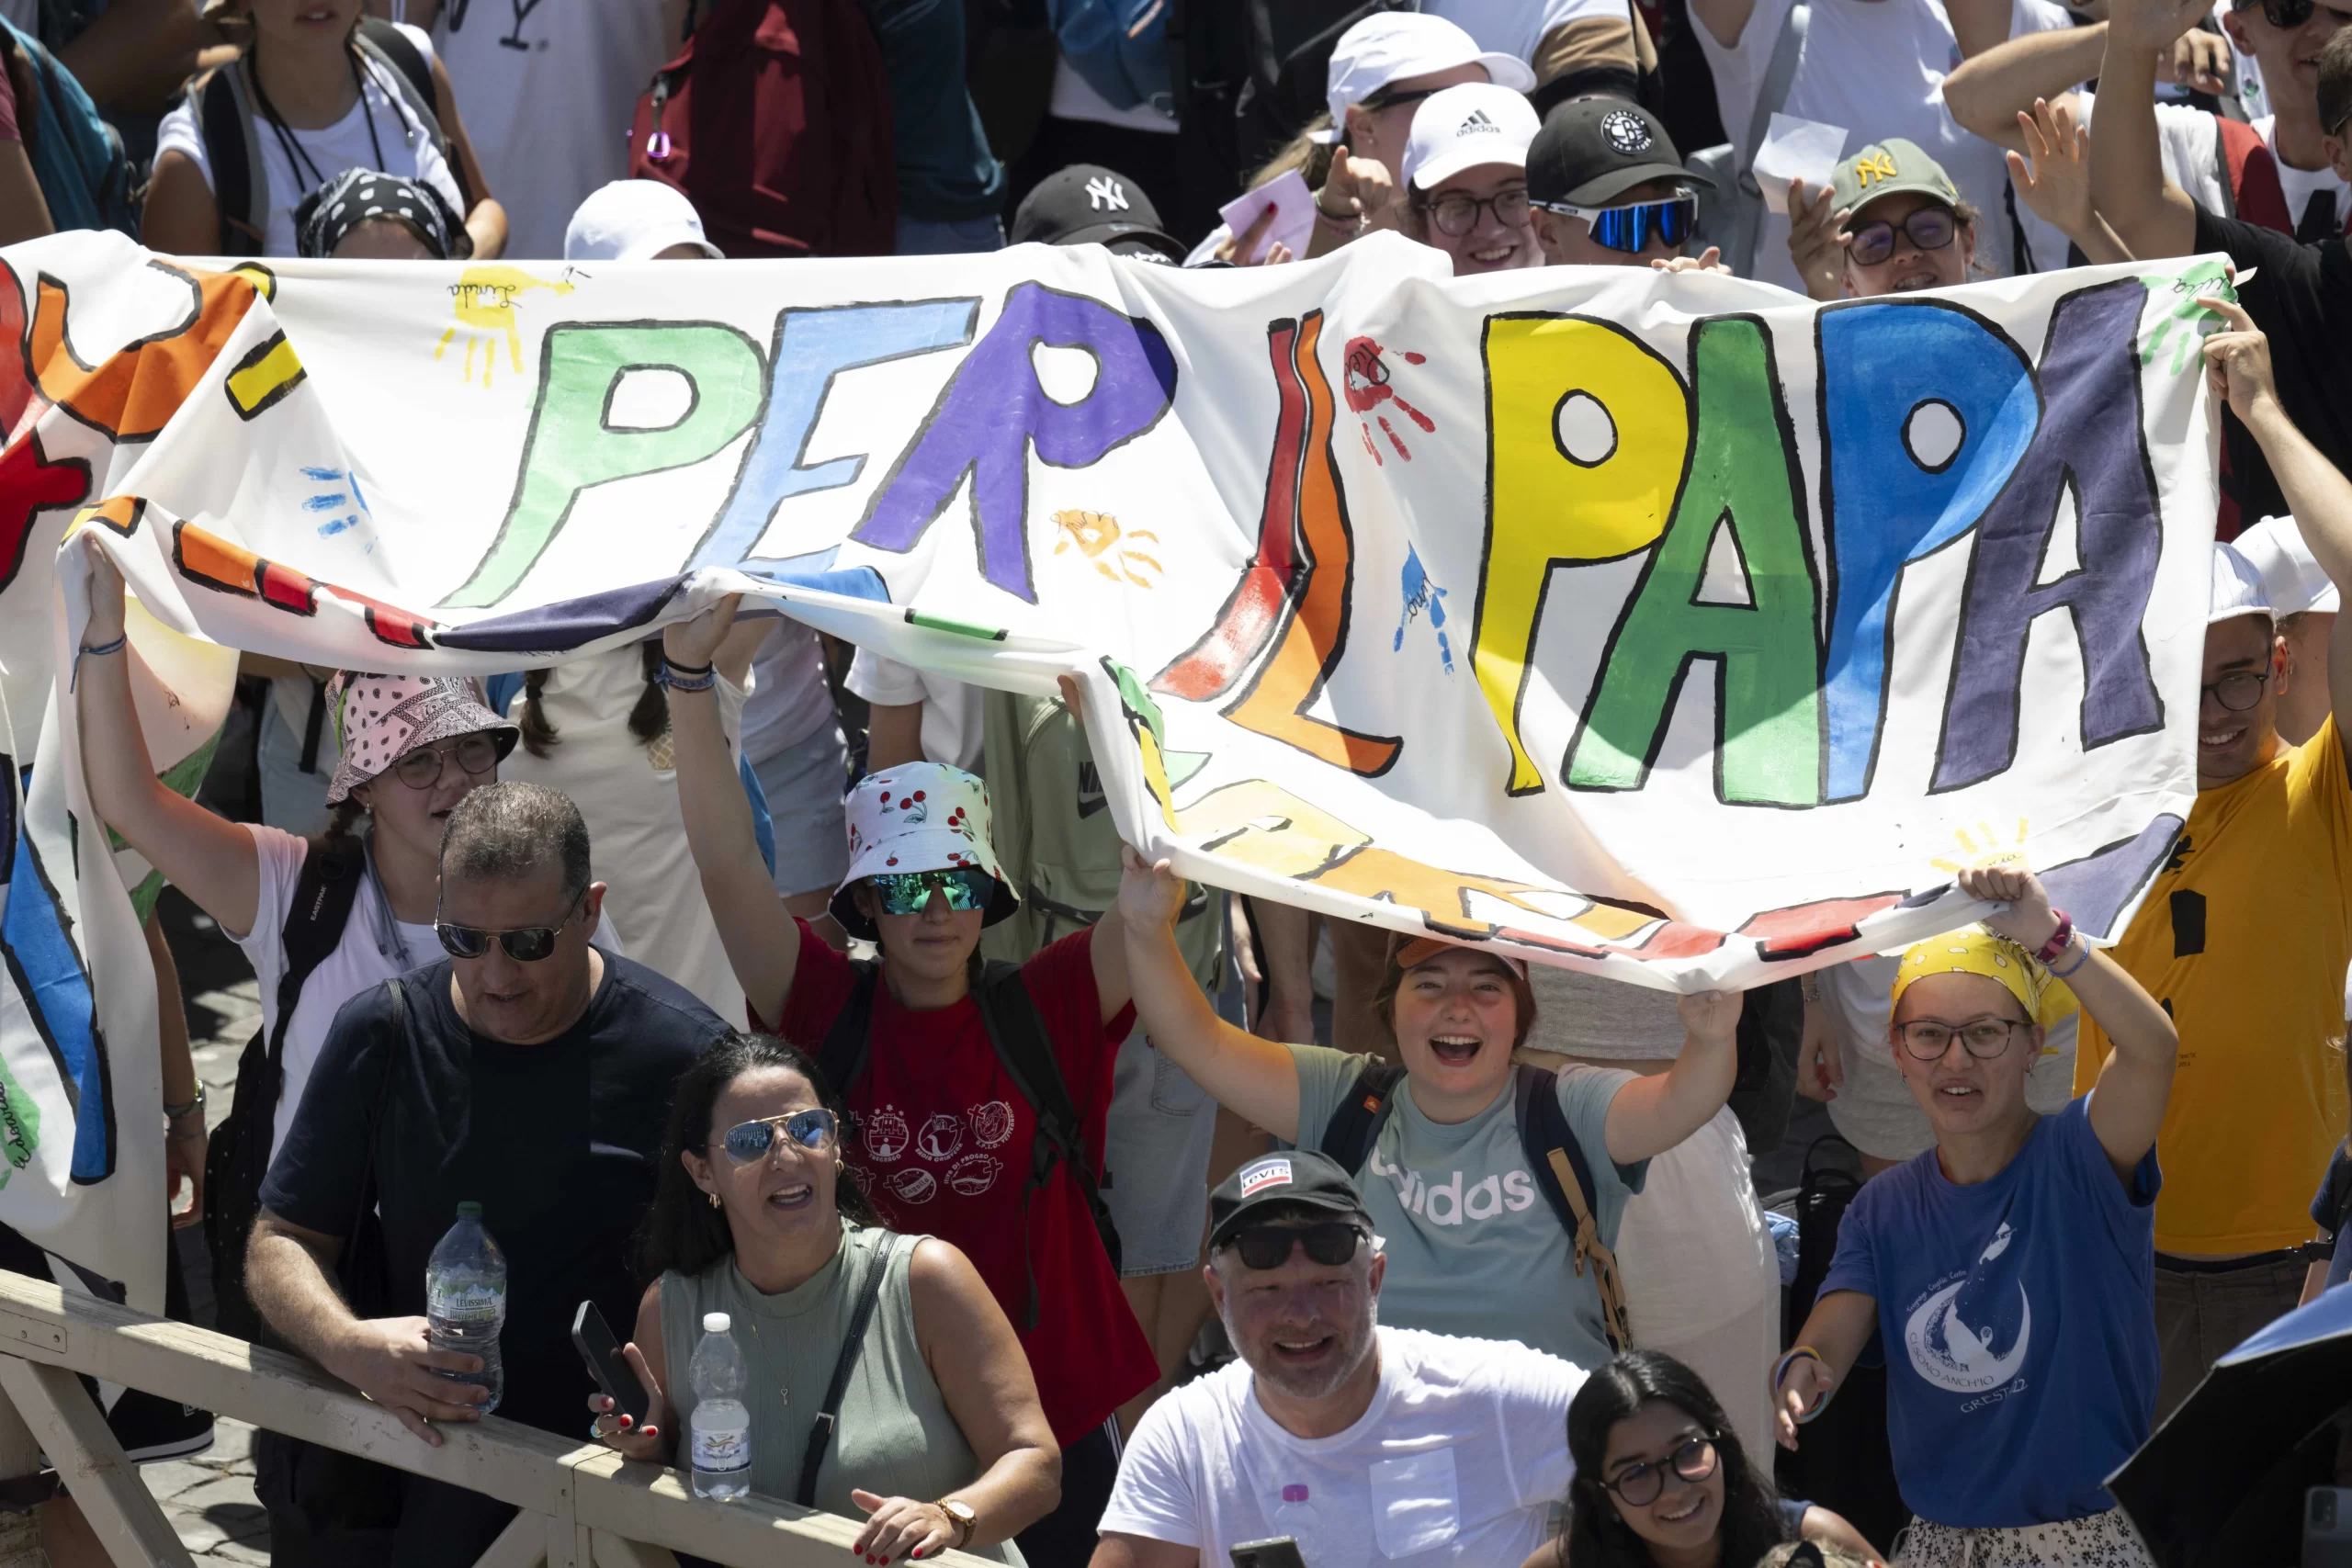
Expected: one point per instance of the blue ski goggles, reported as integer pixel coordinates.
(1632, 226)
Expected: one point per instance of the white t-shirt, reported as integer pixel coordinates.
(1459, 1460)
(1877, 69)
(951, 710)
(550, 122)
(788, 700)
(407, 151)
(2188, 143)
(1519, 27)
(374, 948)
(637, 839)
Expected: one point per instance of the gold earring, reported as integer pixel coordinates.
(713, 1199)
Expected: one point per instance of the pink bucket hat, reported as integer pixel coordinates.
(379, 718)
(919, 816)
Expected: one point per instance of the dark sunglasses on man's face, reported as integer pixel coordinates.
(1630, 226)
(1269, 1247)
(2288, 14)
(524, 944)
(811, 1130)
(1929, 228)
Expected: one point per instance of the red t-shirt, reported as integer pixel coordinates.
(944, 1150)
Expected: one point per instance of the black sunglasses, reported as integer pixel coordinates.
(524, 944)
(1269, 1247)
(2287, 15)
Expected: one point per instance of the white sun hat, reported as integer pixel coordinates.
(918, 816)
(1397, 45)
(2293, 578)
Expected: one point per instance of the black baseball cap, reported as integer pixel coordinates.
(1592, 151)
(1300, 1177)
(1087, 204)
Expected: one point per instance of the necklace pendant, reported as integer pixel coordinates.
(782, 1395)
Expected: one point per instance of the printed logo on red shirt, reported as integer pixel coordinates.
(886, 1135)
(940, 1138)
(992, 1123)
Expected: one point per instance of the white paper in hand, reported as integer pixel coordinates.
(1293, 223)
(1796, 150)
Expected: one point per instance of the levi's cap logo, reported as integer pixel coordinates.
(1265, 1173)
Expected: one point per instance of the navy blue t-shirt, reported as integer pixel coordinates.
(2333, 1199)
(2020, 1319)
(558, 1142)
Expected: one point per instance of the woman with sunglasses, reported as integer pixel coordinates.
(939, 1441)
(410, 748)
(2015, 1261)
(1891, 221)
(1662, 1480)
(949, 1139)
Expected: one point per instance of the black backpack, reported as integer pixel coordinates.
(224, 115)
(239, 1154)
(1026, 1053)
(1554, 1156)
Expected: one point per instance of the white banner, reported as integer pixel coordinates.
(1670, 628)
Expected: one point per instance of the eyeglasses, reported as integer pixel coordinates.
(422, 768)
(1983, 1038)
(2239, 692)
(2288, 14)
(749, 1141)
(1641, 1483)
(909, 892)
(1631, 227)
(524, 944)
(1455, 214)
(1269, 1246)
(1929, 228)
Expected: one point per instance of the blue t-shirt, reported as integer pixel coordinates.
(2334, 1199)
(2020, 1319)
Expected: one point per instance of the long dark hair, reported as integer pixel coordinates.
(648, 721)
(1596, 1537)
(682, 1230)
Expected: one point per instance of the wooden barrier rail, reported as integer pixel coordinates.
(583, 1507)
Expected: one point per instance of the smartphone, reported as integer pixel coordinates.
(592, 1337)
(1281, 1552)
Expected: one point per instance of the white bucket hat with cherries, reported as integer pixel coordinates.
(919, 816)
(379, 718)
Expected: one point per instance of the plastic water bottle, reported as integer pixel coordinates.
(465, 1299)
(722, 1427)
(1297, 1519)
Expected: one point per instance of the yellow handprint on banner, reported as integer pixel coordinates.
(484, 299)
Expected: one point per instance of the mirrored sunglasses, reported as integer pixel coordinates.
(524, 944)
(1269, 1247)
(812, 1130)
(909, 892)
(1632, 226)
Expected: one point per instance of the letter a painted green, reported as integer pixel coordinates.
(1767, 652)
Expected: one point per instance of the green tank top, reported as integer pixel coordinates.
(895, 1437)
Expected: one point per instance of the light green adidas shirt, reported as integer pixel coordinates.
(1473, 1248)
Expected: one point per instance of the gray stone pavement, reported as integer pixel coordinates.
(209, 1497)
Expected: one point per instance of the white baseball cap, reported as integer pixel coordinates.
(1463, 127)
(633, 219)
(1397, 45)
(2237, 587)
(2293, 578)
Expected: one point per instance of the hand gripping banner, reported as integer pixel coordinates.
(1673, 629)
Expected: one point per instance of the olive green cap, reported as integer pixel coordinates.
(1882, 168)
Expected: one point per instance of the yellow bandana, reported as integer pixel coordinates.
(1975, 951)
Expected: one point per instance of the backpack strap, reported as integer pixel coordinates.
(1779, 75)
(820, 1434)
(412, 78)
(847, 1043)
(1355, 1123)
(1026, 1053)
(332, 871)
(240, 180)
(1564, 1178)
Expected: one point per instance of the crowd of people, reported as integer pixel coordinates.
(744, 972)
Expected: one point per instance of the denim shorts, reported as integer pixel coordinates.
(1157, 1155)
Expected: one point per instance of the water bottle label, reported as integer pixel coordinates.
(472, 1302)
(723, 1448)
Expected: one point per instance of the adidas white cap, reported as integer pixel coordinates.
(1395, 46)
(2292, 577)
(1464, 127)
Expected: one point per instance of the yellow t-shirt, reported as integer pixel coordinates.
(2246, 935)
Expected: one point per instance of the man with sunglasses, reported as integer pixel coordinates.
(2302, 290)
(1607, 187)
(1400, 1444)
(528, 1071)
